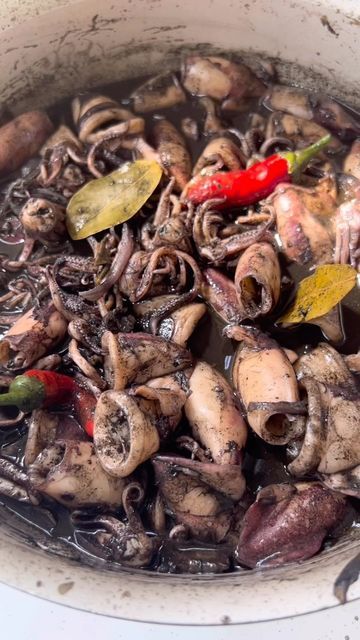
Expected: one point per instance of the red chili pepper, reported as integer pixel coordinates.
(241, 188)
(38, 388)
(84, 407)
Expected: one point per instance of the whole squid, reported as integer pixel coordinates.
(70, 472)
(221, 79)
(304, 221)
(179, 325)
(298, 130)
(31, 337)
(173, 154)
(43, 220)
(265, 380)
(128, 426)
(331, 442)
(213, 415)
(199, 495)
(97, 116)
(45, 428)
(322, 109)
(21, 138)
(219, 292)
(288, 523)
(223, 151)
(138, 357)
(347, 233)
(160, 92)
(257, 280)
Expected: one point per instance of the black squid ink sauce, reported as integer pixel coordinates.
(50, 525)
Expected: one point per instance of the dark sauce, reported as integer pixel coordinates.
(49, 526)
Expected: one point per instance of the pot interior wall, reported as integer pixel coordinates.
(52, 49)
(46, 55)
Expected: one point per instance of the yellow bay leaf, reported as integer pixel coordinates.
(320, 292)
(115, 198)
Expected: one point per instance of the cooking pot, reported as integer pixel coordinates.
(51, 49)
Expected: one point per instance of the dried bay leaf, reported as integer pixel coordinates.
(115, 198)
(320, 292)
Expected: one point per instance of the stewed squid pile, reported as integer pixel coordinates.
(212, 197)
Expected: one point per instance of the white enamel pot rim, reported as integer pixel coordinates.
(53, 48)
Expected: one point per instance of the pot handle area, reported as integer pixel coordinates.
(347, 576)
